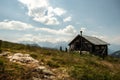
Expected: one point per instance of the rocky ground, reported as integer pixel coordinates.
(38, 71)
(46, 64)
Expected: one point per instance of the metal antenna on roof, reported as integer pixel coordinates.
(81, 42)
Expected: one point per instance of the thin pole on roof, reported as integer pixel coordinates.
(80, 42)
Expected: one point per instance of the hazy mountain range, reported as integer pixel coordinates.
(111, 48)
(49, 44)
(116, 54)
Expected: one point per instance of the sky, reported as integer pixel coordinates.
(59, 20)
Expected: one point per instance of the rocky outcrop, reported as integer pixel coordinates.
(22, 58)
(38, 72)
(43, 73)
(4, 54)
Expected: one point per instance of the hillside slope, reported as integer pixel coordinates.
(63, 65)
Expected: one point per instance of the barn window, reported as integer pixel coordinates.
(86, 42)
(89, 45)
(102, 47)
(97, 47)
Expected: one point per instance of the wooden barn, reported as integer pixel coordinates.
(90, 44)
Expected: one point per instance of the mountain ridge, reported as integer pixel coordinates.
(116, 54)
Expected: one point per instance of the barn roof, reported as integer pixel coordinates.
(93, 40)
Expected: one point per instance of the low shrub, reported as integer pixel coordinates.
(48, 53)
(34, 56)
(2, 66)
(0, 50)
(53, 64)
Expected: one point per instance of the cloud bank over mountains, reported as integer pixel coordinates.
(56, 35)
(15, 25)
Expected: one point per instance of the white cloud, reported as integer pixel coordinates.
(14, 25)
(116, 40)
(113, 39)
(46, 38)
(42, 11)
(52, 35)
(35, 3)
(67, 19)
(68, 30)
(26, 37)
(59, 11)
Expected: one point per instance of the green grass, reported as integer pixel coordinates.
(78, 67)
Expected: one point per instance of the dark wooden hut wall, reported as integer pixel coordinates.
(76, 44)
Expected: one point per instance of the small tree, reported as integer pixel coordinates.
(0, 46)
(60, 48)
(2, 67)
(65, 49)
